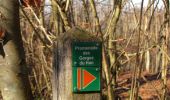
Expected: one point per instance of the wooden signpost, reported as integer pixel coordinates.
(77, 66)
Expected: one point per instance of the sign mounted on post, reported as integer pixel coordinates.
(86, 79)
(87, 54)
(86, 64)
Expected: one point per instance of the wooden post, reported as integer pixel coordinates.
(62, 75)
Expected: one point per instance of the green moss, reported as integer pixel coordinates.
(78, 34)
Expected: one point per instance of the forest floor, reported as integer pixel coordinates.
(150, 86)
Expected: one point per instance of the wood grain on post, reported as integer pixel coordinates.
(62, 64)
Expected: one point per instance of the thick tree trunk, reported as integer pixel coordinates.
(14, 83)
(163, 40)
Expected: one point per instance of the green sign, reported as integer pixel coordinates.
(87, 54)
(86, 79)
(86, 64)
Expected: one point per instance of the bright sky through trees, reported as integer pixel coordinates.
(138, 3)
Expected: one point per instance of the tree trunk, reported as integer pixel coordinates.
(164, 49)
(14, 83)
(112, 46)
(147, 29)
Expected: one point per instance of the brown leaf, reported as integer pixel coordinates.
(2, 33)
(33, 3)
(25, 2)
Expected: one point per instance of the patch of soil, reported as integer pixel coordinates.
(150, 88)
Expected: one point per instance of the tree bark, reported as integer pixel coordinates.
(112, 46)
(163, 40)
(14, 83)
